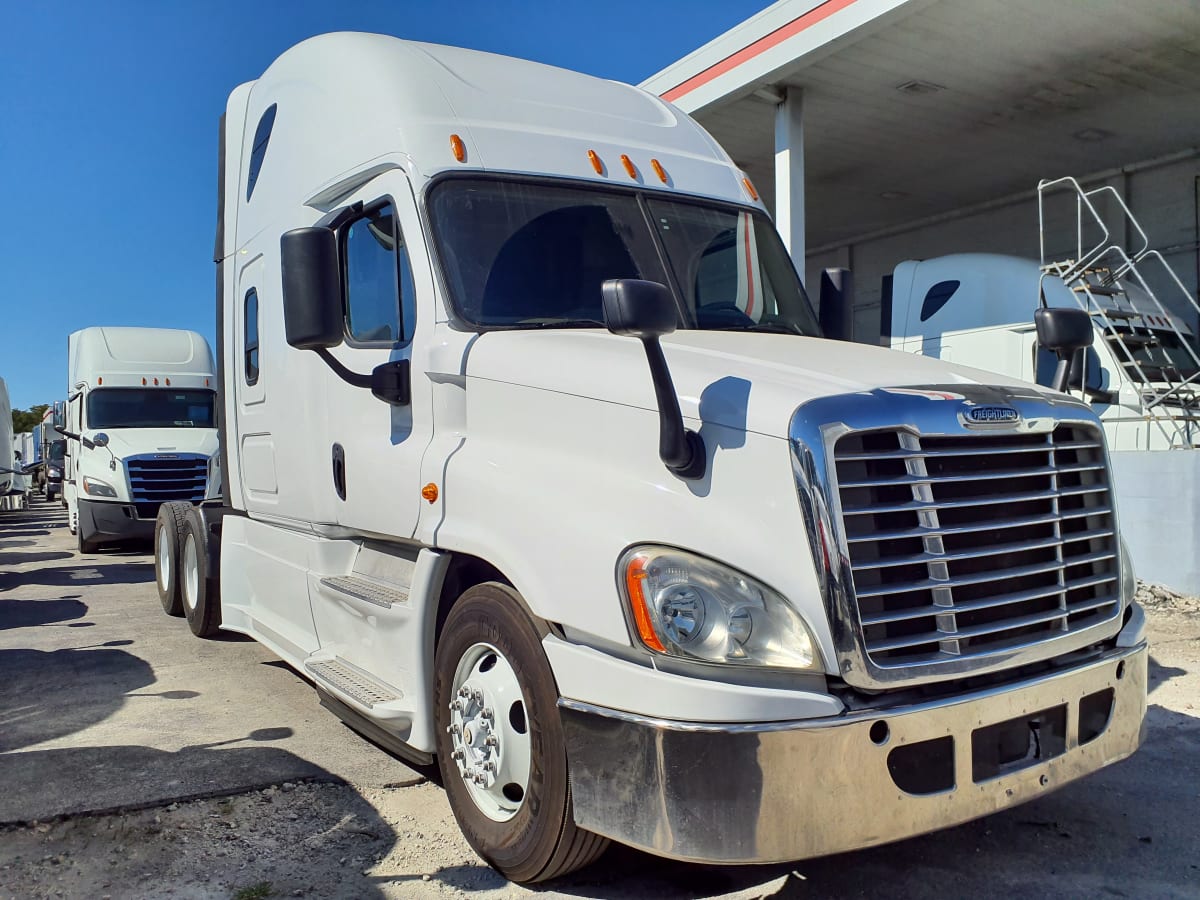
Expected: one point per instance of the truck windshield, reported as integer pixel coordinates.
(149, 408)
(58, 451)
(534, 255)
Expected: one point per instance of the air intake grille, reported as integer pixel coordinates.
(155, 480)
(962, 546)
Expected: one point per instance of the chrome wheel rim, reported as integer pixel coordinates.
(164, 561)
(191, 573)
(489, 732)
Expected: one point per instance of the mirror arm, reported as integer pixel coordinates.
(389, 381)
(355, 379)
(681, 450)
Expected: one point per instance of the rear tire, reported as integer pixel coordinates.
(168, 538)
(199, 588)
(488, 655)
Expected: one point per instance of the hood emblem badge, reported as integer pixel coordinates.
(989, 415)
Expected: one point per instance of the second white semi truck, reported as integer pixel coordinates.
(141, 429)
(538, 465)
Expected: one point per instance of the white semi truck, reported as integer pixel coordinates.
(140, 429)
(10, 468)
(537, 464)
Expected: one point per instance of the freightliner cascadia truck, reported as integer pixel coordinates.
(538, 465)
(140, 429)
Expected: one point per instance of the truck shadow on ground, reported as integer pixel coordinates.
(80, 576)
(51, 694)
(19, 558)
(29, 613)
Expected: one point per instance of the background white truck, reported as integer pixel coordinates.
(11, 477)
(141, 429)
(1141, 375)
(538, 465)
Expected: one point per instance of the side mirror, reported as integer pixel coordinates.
(100, 440)
(312, 288)
(1064, 332)
(640, 309)
(837, 304)
(646, 310)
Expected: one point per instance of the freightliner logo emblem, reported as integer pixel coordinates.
(991, 415)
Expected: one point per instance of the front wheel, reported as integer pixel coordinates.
(500, 741)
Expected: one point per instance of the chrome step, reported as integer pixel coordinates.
(346, 679)
(366, 589)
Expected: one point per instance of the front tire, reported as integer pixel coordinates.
(500, 744)
(85, 545)
(199, 589)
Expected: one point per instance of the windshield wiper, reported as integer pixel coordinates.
(560, 323)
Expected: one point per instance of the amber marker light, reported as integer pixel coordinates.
(750, 189)
(659, 170)
(458, 148)
(143, 382)
(168, 382)
(430, 492)
(629, 166)
(156, 382)
(596, 163)
(101, 381)
(635, 575)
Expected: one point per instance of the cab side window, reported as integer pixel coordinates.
(379, 289)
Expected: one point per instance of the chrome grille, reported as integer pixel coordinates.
(970, 545)
(153, 480)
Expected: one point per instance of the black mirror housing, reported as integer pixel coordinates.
(639, 309)
(1063, 329)
(312, 288)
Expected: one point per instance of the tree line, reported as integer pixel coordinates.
(24, 419)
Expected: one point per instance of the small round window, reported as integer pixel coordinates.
(262, 135)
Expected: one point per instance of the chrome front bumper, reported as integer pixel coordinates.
(773, 792)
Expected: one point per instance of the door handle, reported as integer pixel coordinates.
(339, 471)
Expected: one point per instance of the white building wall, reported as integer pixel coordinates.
(1163, 198)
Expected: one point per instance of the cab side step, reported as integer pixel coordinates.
(372, 732)
(351, 681)
(367, 589)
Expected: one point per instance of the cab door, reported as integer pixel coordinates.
(373, 448)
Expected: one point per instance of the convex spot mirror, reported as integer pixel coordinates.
(100, 440)
(312, 288)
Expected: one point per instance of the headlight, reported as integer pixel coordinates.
(687, 606)
(97, 488)
(1128, 577)
(55, 473)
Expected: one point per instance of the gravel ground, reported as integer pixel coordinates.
(1111, 834)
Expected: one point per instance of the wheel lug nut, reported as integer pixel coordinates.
(487, 713)
(490, 741)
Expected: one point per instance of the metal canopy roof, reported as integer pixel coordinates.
(917, 107)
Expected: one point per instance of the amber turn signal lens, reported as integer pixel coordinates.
(596, 163)
(659, 170)
(430, 492)
(458, 148)
(750, 189)
(635, 575)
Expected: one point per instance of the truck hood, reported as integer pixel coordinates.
(124, 442)
(742, 380)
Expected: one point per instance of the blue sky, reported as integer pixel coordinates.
(108, 132)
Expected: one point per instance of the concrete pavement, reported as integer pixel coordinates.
(107, 703)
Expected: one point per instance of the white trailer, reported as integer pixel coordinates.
(10, 469)
(140, 429)
(538, 465)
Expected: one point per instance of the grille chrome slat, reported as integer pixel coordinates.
(970, 451)
(929, 584)
(990, 603)
(997, 550)
(963, 545)
(993, 525)
(916, 505)
(997, 475)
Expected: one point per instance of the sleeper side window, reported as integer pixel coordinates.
(258, 150)
(379, 281)
(251, 332)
